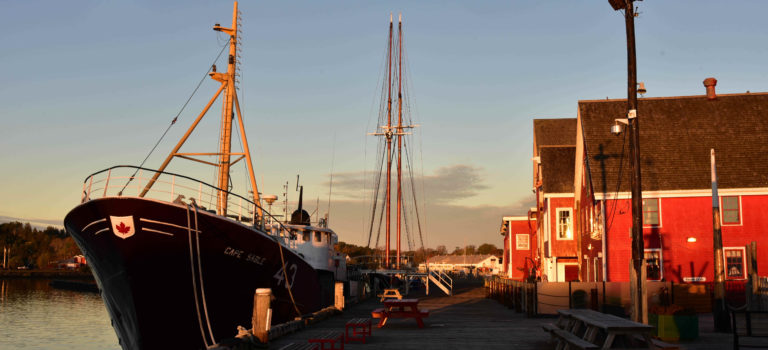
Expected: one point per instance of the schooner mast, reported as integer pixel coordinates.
(230, 106)
(389, 132)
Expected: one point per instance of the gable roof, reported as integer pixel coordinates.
(554, 132)
(676, 135)
(460, 259)
(557, 167)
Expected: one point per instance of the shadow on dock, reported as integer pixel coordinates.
(466, 320)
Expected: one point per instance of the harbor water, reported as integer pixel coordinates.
(35, 316)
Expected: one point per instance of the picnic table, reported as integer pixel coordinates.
(400, 308)
(592, 323)
(391, 293)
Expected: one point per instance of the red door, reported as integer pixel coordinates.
(571, 272)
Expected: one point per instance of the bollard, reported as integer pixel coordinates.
(339, 297)
(261, 314)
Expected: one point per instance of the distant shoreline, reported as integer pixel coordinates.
(58, 274)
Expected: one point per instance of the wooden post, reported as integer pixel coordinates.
(261, 314)
(719, 311)
(339, 298)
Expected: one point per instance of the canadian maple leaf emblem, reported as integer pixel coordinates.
(122, 228)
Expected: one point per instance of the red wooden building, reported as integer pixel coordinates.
(520, 247)
(676, 136)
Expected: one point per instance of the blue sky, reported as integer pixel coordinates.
(90, 84)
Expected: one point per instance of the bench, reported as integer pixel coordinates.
(300, 346)
(329, 338)
(750, 329)
(567, 340)
(361, 327)
(658, 344)
(379, 313)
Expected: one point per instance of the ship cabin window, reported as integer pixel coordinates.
(318, 236)
(305, 236)
(328, 237)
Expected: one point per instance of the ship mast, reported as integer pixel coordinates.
(399, 131)
(230, 106)
(388, 135)
(389, 132)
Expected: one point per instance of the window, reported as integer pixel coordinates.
(734, 263)
(305, 236)
(651, 212)
(653, 264)
(564, 230)
(731, 213)
(522, 242)
(318, 237)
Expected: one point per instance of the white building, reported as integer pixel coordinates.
(475, 264)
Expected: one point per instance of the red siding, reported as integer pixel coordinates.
(683, 217)
(562, 247)
(521, 259)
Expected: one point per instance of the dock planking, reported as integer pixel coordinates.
(466, 320)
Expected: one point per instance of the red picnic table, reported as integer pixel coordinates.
(400, 308)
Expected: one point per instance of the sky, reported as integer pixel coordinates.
(91, 84)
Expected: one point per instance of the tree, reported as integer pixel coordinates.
(441, 250)
(486, 248)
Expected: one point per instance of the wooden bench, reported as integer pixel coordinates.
(658, 344)
(300, 346)
(360, 327)
(330, 339)
(750, 329)
(567, 340)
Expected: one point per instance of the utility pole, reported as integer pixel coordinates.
(720, 314)
(637, 268)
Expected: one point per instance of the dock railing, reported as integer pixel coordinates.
(441, 280)
(545, 298)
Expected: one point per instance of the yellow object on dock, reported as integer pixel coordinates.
(391, 293)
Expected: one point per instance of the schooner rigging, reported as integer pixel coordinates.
(394, 135)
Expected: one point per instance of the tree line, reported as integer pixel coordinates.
(31, 247)
(420, 255)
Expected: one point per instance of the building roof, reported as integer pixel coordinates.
(557, 167)
(554, 132)
(676, 135)
(459, 259)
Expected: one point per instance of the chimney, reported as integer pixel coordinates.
(710, 83)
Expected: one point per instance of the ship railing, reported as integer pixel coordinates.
(130, 181)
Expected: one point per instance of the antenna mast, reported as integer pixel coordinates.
(230, 105)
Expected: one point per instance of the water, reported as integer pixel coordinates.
(35, 316)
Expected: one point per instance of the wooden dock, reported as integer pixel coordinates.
(466, 320)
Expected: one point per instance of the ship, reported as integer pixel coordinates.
(177, 260)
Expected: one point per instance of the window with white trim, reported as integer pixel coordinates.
(731, 210)
(734, 263)
(651, 215)
(564, 223)
(522, 241)
(653, 264)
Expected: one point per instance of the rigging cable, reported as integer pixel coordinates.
(174, 120)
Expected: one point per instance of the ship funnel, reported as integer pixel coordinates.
(300, 216)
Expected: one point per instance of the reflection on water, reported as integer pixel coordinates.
(35, 316)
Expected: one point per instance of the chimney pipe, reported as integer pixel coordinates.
(710, 83)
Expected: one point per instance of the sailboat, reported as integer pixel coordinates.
(178, 260)
(393, 133)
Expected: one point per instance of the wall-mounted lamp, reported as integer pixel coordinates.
(616, 129)
(691, 239)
